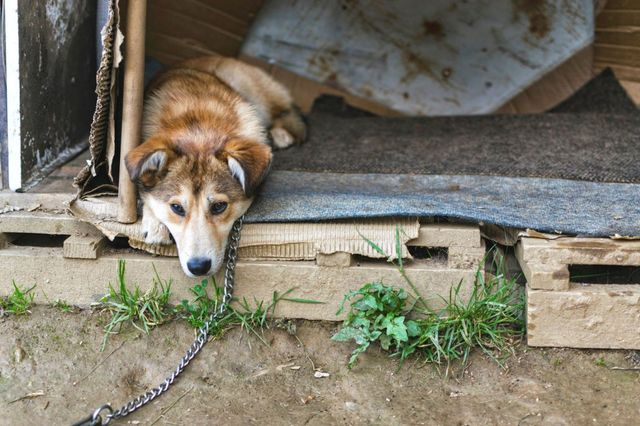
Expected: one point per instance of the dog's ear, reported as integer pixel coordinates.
(248, 162)
(147, 163)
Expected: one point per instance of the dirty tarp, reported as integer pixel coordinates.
(422, 57)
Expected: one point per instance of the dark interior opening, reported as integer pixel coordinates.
(119, 243)
(39, 240)
(604, 274)
(435, 253)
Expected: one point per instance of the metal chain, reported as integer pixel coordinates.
(232, 255)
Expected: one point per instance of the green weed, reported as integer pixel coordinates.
(18, 302)
(600, 362)
(143, 311)
(63, 306)
(403, 324)
(197, 311)
(251, 317)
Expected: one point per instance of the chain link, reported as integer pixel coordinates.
(196, 346)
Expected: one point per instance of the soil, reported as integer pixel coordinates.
(52, 372)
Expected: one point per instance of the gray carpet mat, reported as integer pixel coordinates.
(574, 171)
(591, 136)
(593, 147)
(548, 205)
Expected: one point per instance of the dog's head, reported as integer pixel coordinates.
(198, 192)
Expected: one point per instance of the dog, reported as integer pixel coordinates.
(207, 127)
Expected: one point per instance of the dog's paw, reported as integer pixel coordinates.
(155, 232)
(281, 138)
(288, 129)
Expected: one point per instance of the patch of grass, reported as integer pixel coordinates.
(197, 311)
(60, 304)
(143, 311)
(600, 362)
(63, 306)
(18, 302)
(252, 317)
(404, 324)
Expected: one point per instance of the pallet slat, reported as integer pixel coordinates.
(83, 246)
(618, 18)
(44, 223)
(618, 55)
(81, 282)
(562, 313)
(593, 316)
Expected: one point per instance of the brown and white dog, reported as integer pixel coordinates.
(206, 150)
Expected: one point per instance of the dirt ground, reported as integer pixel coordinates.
(238, 380)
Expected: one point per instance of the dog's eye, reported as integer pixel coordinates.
(218, 207)
(177, 209)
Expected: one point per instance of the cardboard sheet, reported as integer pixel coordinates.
(285, 241)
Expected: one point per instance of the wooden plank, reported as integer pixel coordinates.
(618, 18)
(178, 48)
(618, 55)
(242, 10)
(44, 223)
(51, 201)
(180, 30)
(186, 27)
(203, 11)
(466, 257)
(132, 103)
(619, 37)
(633, 89)
(447, 235)
(81, 282)
(167, 58)
(83, 246)
(553, 87)
(622, 5)
(591, 316)
(580, 251)
(334, 260)
(622, 72)
(544, 276)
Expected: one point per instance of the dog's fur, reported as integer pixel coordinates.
(206, 131)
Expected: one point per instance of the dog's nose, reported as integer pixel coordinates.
(199, 265)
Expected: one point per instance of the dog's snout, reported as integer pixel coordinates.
(199, 265)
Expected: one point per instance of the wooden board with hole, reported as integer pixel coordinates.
(573, 314)
(82, 282)
(330, 243)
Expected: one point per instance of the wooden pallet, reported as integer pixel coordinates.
(569, 314)
(79, 269)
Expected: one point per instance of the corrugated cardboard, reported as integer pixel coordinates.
(95, 177)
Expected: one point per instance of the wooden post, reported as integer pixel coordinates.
(132, 104)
